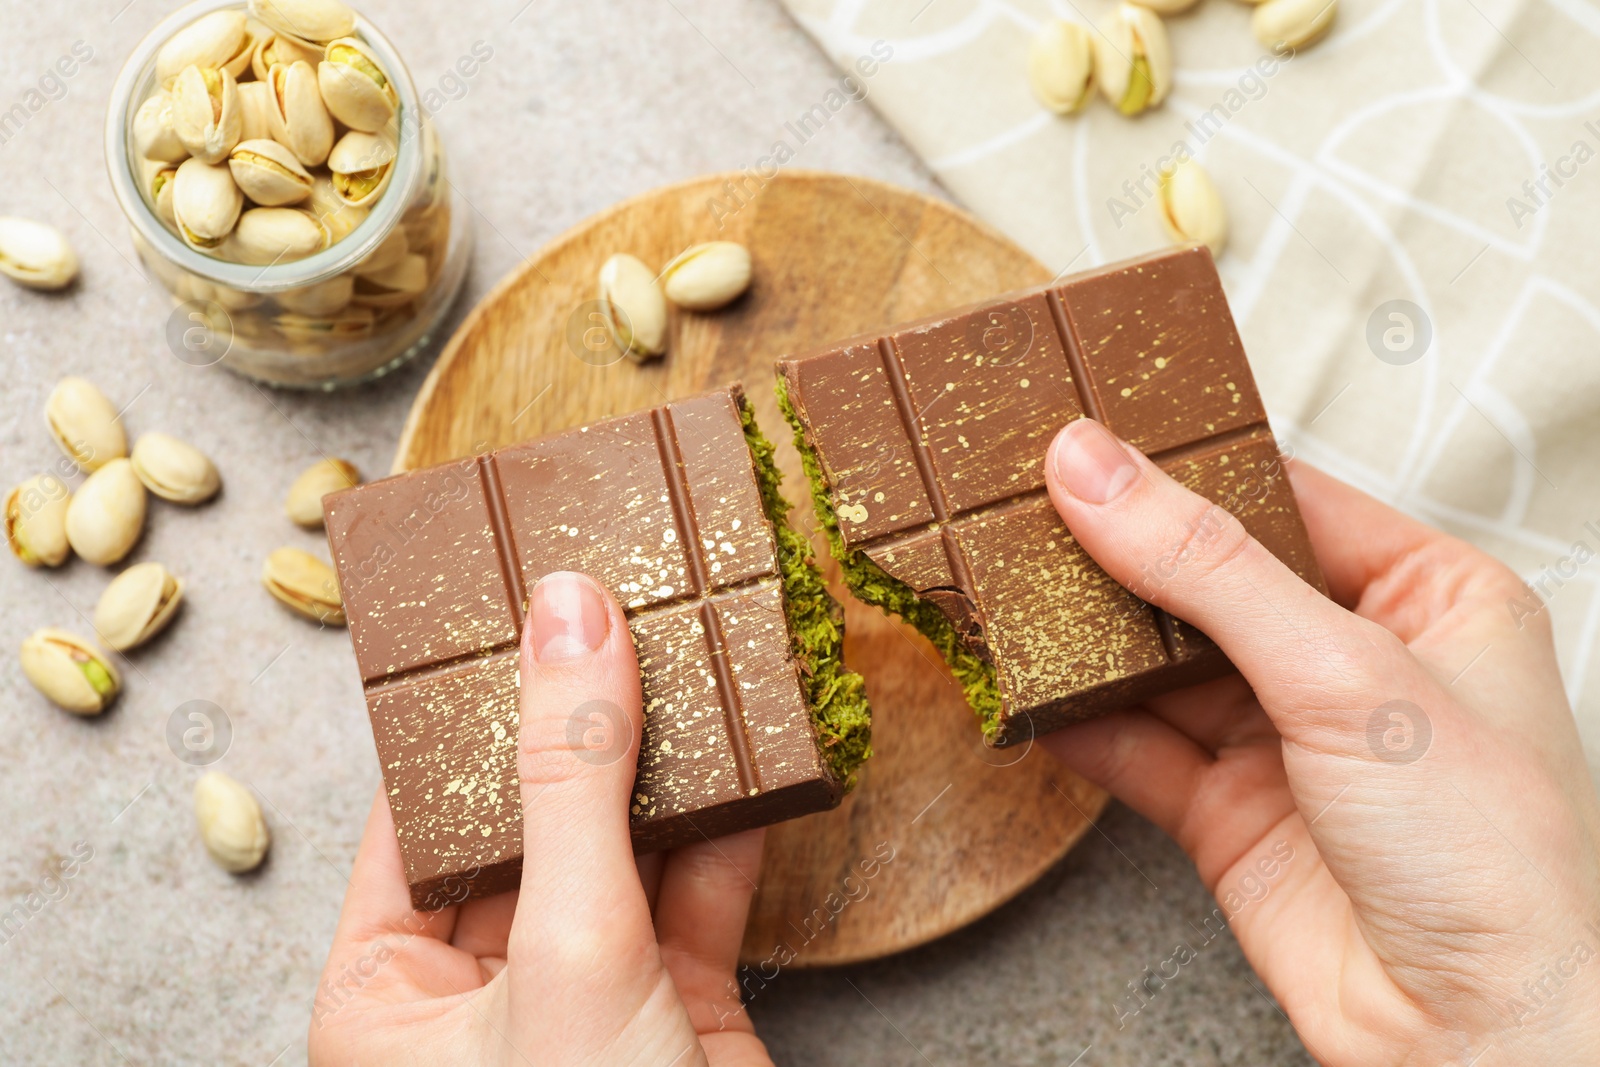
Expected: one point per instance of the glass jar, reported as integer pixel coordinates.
(322, 321)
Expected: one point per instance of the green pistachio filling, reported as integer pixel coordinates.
(837, 695)
(350, 57)
(95, 673)
(872, 584)
(1140, 88)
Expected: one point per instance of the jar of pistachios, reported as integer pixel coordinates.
(283, 184)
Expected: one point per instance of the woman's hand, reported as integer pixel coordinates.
(1392, 803)
(599, 959)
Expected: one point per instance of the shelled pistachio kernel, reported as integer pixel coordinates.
(707, 276)
(69, 671)
(304, 502)
(35, 255)
(84, 424)
(174, 470)
(634, 307)
(1061, 66)
(231, 824)
(1133, 59)
(137, 605)
(304, 584)
(36, 521)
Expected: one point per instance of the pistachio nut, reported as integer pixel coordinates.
(137, 605)
(36, 255)
(1061, 66)
(84, 424)
(297, 117)
(340, 218)
(234, 299)
(1280, 24)
(268, 173)
(36, 521)
(174, 470)
(106, 515)
(1173, 7)
(1132, 60)
(355, 87)
(361, 164)
(351, 323)
(231, 826)
(206, 202)
(205, 112)
(1191, 210)
(255, 102)
(634, 307)
(304, 504)
(311, 20)
(305, 584)
(390, 251)
(321, 299)
(153, 136)
(70, 671)
(707, 276)
(281, 48)
(267, 235)
(393, 286)
(158, 185)
(214, 40)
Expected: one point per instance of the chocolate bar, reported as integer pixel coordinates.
(925, 446)
(750, 715)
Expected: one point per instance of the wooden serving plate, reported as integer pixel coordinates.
(941, 829)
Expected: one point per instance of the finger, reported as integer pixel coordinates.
(1357, 539)
(378, 901)
(700, 915)
(483, 926)
(1217, 714)
(650, 875)
(1310, 661)
(1143, 762)
(577, 755)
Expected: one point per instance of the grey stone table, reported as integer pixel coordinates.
(150, 954)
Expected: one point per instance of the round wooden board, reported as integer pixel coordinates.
(967, 827)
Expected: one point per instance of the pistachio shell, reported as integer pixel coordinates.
(84, 424)
(157, 177)
(340, 218)
(321, 299)
(389, 252)
(1282, 24)
(393, 286)
(137, 605)
(1191, 210)
(212, 40)
(255, 103)
(355, 87)
(36, 255)
(707, 276)
(351, 323)
(1061, 66)
(174, 470)
(267, 235)
(268, 173)
(311, 20)
(231, 826)
(205, 112)
(361, 165)
(1133, 60)
(70, 671)
(304, 584)
(275, 48)
(153, 136)
(206, 203)
(634, 306)
(304, 503)
(106, 515)
(297, 116)
(36, 521)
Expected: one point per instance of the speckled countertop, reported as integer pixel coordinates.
(150, 954)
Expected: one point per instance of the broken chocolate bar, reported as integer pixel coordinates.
(750, 714)
(925, 446)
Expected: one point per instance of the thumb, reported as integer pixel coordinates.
(576, 758)
(1311, 663)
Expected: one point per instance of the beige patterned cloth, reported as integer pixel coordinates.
(1438, 152)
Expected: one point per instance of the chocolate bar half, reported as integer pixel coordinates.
(925, 446)
(750, 714)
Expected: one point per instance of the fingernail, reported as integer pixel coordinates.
(1092, 464)
(568, 617)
